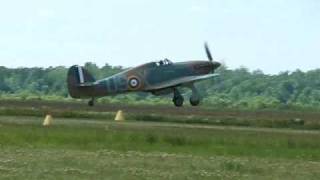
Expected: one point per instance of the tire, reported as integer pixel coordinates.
(178, 101)
(194, 101)
(91, 103)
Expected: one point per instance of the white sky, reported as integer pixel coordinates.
(272, 35)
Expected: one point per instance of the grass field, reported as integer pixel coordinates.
(293, 119)
(76, 148)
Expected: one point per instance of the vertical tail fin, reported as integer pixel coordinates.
(78, 76)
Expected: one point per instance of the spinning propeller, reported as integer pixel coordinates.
(215, 64)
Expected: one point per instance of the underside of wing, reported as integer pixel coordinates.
(180, 81)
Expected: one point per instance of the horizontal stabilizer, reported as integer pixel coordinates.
(86, 84)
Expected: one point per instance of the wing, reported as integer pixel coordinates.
(180, 81)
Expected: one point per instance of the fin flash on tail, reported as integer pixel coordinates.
(80, 82)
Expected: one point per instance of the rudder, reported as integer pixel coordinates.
(77, 76)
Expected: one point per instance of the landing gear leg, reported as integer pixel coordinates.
(195, 97)
(177, 98)
(91, 102)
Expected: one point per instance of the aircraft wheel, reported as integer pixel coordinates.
(91, 103)
(178, 101)
(194, 100)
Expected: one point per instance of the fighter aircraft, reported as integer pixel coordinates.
(159, 78)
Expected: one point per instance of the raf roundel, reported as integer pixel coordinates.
(134, 82)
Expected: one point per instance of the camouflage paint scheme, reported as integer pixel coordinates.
(155, 77)
(163, 77)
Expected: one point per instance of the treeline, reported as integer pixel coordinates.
(237, 88)
(44, 81)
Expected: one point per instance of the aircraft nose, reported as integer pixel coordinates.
(216, 65)
(206, 66)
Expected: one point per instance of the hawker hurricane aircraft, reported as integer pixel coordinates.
(158, 78)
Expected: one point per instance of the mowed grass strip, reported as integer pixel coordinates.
(133, 137)
(26, 163)
(269, 119)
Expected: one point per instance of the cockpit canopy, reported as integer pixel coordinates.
(164, 62)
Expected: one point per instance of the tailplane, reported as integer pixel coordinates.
(79, 77)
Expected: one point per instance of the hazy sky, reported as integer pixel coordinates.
(271, 35)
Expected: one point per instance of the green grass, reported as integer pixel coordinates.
(293, 119)
(128, 136)
(307, 121)
(101, 149)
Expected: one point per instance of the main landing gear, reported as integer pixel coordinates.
(194, 98)
(91, 102)
(177, 98)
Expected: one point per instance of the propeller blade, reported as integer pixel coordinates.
(208, 52)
